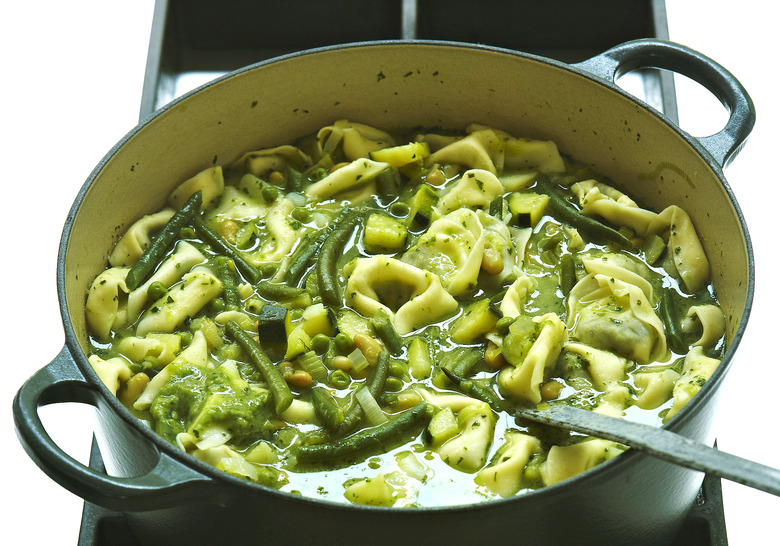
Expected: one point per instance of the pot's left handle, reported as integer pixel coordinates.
(724, 145)
(167, 484)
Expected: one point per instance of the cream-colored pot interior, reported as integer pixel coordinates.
(404, 85)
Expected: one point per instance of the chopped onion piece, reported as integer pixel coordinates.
(359, 362)
(213, 437)
(411, 465)
(238, 467)
(374, 413)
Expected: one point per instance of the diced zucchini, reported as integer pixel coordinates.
(419, 357)
(384, 233)
(398, 156)
(498, 207)
(527, 208)
(421, 209)
(653, 249)
(443, 426)
(350, 323)
(478, 319)
(517, 181)
(298, 342)
(272, 324)
(317, 320)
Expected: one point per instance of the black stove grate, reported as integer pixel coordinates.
(193, 41)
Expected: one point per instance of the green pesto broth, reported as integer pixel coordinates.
(353, 316)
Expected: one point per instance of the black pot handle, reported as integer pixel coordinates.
(650, 53)
(167, 484)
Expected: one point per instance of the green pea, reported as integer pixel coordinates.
(301, 214)
(343, 343)
(339, 379)
(320, 343)
(156, 291)
(397, 369)
(270, 193)
(503, 324)
(393, 384)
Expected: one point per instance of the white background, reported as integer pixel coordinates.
(71, 87)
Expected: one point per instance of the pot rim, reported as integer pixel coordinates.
(613, 465)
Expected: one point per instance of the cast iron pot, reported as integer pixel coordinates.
(171, 498)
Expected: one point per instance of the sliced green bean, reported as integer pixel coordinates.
(375, 385)
(479, 391)
(384, 328)
(568, 273)
(568, 213)
(159, 246)
(276, 384)
(219, 245)
(367, 440)
(227, 276)
(327, 263)
(293, 179)
(460, 363)
(307, 252)
(278, 292)
(386, 184)
(675, 338)
(326, 408)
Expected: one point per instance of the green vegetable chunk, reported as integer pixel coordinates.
(154, 254)
(272, 324)
(277, 385)
(367, 441)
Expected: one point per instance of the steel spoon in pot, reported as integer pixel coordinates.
(660, 443)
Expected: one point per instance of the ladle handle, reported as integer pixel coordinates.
(724, 145)
(61, 381)
(662, 444)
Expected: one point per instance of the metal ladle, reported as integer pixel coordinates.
(660, 443)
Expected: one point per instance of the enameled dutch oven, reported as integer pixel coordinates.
(172, 498)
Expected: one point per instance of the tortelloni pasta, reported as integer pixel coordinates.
(355, 315)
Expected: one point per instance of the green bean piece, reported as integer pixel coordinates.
(278, 292)
(675, 338)
(568, 273)
(159, 246)
(461, 362)
(293, 179)
(384, 328)
(654, 249)
(308, 249)
(479, 391)
(326, 407)
(227, 275)
(371, 440)
(585, 224)
(386, 184)
(276, 384)
(219, 245)
(327, 264)
(375, 385)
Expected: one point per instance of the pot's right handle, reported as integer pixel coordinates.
(167, 484)
(651, 53)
